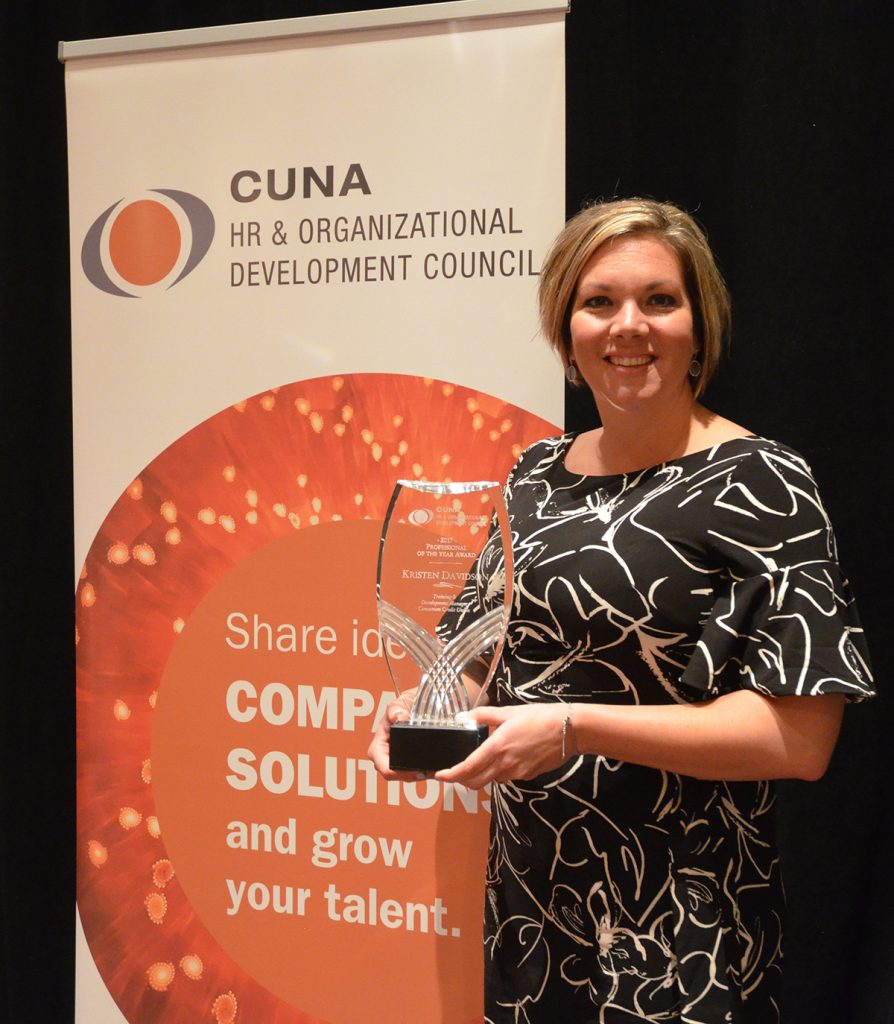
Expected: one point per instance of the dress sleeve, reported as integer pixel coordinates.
(784, 621)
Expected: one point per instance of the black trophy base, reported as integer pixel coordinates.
(428, 748)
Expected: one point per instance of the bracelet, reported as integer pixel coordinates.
(568, 730)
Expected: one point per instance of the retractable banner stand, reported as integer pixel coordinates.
(304, 261)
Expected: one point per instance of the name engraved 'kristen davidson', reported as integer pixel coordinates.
(428, 574)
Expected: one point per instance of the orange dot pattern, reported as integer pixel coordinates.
(144, 554)
(224, 1008)
(162, 872)
(129, 817)
(160, 976)
(156, 907)
(192, 966)
(118, 554)
(317, 451)
(97, 853)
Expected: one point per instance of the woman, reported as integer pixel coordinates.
(681, 635)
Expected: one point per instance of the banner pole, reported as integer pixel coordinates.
(418, 15)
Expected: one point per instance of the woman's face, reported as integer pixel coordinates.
(631, 323)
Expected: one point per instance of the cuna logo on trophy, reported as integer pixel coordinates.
(421, 516)
(147, 242)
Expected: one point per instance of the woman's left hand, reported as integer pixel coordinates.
(525, 741)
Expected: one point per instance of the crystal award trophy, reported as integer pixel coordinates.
(443, 592)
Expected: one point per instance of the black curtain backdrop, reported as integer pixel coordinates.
(766, 119)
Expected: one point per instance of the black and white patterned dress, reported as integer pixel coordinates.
(617, 893)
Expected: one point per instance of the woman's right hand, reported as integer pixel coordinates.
(380, 748)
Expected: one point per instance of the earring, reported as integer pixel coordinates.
(572, 374)
(695, 369)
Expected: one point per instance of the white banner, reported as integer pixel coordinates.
(303, 265)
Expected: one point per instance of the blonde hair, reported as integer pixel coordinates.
(603, 221)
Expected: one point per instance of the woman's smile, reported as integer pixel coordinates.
(629, 362)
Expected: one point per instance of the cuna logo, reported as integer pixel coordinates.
(147, 243)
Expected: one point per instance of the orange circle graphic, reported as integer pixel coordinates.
(144, 243)
(300, 886)
(287, 844)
